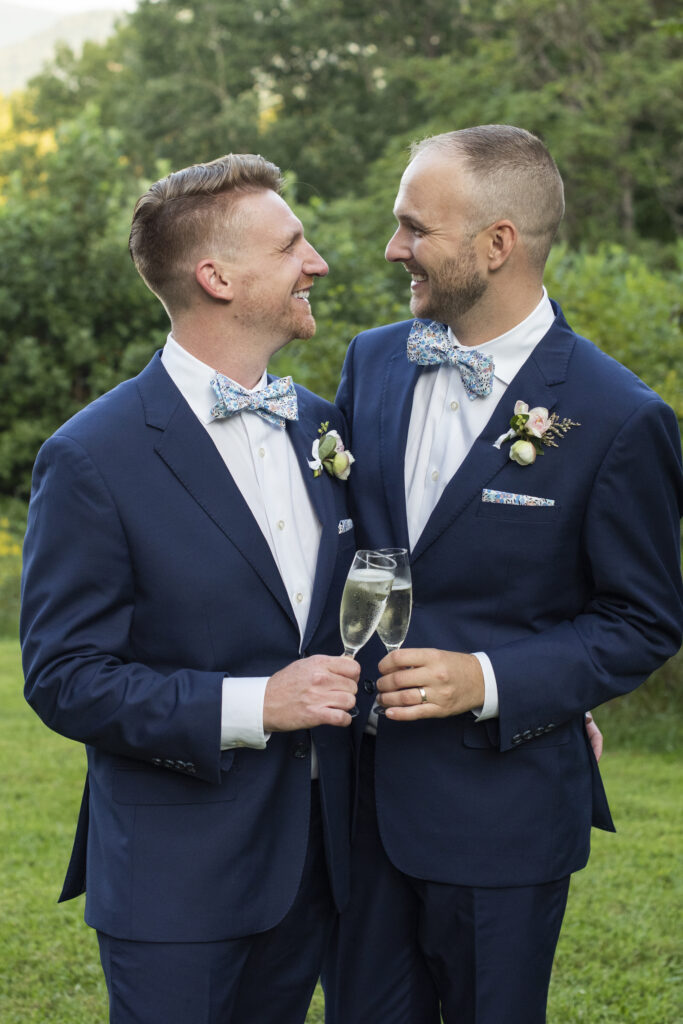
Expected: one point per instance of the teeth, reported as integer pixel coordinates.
(419, 277)
(303, 294)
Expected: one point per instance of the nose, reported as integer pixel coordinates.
(397, 250)
(314, 264)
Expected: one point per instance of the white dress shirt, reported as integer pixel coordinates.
(262, 462)
(441, 408)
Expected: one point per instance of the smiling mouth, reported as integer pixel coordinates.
(302, 294)
(417, 279)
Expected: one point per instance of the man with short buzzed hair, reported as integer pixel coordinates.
(183, 573)
(537, 485)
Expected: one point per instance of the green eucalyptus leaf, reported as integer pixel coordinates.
(327, 447)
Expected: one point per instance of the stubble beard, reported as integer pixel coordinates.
(454, 289)
(303, 326)
(287, 324)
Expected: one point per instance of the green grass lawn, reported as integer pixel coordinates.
(619, 955)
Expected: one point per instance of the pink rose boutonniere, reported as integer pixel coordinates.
(329, 453)
(533, 429)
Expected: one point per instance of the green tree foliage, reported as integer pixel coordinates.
(333, 92)
(323, 88)
(74, 317)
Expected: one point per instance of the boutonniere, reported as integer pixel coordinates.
(329, 453)
(533, 428)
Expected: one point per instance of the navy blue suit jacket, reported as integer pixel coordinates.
(147, 580)
(574, 603)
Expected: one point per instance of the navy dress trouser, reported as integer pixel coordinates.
(409, 951)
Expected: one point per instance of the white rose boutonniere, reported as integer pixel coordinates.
(533, 429)
(329, 453)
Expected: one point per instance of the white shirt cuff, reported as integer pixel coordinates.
(242, 712)
(489, 708)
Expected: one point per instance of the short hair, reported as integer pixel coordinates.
(185, 216)
(514, 178)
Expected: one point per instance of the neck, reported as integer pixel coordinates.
(497, 313)
(242, 358)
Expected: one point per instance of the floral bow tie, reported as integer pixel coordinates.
(429, 344)
(275, 403)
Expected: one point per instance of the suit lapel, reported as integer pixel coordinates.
(535, 383)
(194, 460)
(396, 402)
(302, 434)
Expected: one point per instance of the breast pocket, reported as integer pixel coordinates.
(523, 514)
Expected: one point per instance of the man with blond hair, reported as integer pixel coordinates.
(537, 485)
(183, 572)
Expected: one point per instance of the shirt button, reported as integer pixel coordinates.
(435, 475)
(262, 452)
(280, 524)
(299, 597)
(455, 406)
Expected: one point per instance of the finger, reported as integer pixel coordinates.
(334, 716)
(337, 685)
(410, 697)
(344, 666)
(344, 700)
(404, 657)
(414, 713)
(405, 679)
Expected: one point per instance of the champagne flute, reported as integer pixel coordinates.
(395, 619)
(366, 590)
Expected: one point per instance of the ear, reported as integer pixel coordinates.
(501, 239)
(212, 275)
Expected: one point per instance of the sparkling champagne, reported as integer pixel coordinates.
(365, 595)
(393, 624)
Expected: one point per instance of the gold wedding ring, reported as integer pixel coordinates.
(423, 694)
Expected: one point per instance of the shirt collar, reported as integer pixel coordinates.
(191, 376)
(511, 350)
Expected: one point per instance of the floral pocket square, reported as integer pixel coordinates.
(345, 525)
(509, 498)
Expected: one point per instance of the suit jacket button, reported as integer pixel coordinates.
(300, 750)
(368, 686)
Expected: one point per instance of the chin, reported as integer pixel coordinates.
(420, 309)
(306, 329)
